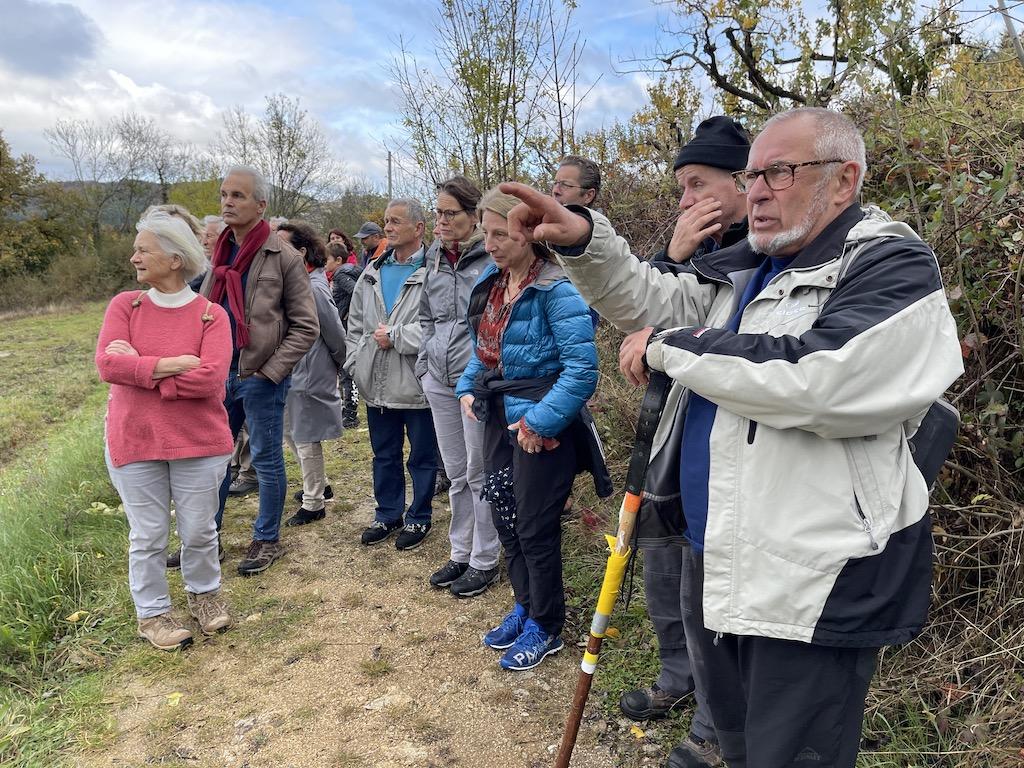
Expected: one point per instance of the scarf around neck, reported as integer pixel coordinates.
(228, 277)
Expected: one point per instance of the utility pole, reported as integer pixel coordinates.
(390, 196)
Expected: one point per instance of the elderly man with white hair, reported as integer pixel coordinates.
(803, 359)
(165, 352)
(262, 283)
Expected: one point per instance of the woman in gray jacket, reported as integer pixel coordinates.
(456, 260)
(313, 407)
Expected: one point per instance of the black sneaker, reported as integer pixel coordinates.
(412, 536)
(259, 557)
(305, 516)
(174, 559)
(694, 752)
(447, 573)
(649, 703)
(378, 532)
(473, 582)
(328, 494)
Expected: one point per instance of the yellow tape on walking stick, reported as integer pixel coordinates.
(614, 574)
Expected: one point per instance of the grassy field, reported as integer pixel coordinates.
(63, 604)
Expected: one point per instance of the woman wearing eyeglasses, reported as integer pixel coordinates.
(454, 263)
(535, 365)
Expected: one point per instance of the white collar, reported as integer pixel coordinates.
(172, 300)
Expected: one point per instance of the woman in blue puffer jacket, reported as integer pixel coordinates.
(534, 367)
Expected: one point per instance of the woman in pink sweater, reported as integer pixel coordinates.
(165, 353)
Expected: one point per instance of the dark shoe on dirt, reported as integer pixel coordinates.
(260, 556)
(447, 573)
(649, 703)
(377, 532)
(695, 753)
(328, 494)
(242, 487)
(174, 559)
(305, 516)
(442, 484)
(474, 582)
(412, 536)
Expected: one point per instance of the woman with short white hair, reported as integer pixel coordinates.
(165, 352)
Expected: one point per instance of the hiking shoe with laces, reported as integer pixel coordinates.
(411, 536)
(328, 494)
(530, 648)
(259, 557)
(242, 487)
(210, 610)
(164, 632)
(447, 573)
(377, 532)
(504, 635)
(649, 703)
(695, 752)
(174, 559)
(305, 516)
(473, 582)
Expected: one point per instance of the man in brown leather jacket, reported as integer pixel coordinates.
(273, 324)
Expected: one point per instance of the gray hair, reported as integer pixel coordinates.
(176, 239)
(836, 137)
(211, 219)
(260, 187)
(413, 209)
(277, 221)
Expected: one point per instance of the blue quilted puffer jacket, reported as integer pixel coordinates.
(549, 332)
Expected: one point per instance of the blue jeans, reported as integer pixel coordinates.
(388, 427)
(259, 403)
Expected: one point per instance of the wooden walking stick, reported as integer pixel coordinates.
(618, 557)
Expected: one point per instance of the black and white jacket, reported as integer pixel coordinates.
(818, 528)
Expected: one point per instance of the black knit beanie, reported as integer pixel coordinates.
(720, 142)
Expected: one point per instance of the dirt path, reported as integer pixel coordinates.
(343, 656)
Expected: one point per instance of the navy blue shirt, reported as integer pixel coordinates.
(700, 417)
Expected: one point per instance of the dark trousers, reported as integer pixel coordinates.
(779, 703)
(259, 404)
(533, 539)
(668, 586)
(388, 429)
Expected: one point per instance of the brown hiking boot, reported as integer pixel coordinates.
(649, 703)
(259, 557)
(210, 610)
(164, 632)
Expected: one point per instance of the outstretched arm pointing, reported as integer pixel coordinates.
(541, 218)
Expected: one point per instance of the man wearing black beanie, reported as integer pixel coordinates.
(712, 210)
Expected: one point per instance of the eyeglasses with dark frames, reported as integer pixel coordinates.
(567, 185)
(448, 215)
(777, 176)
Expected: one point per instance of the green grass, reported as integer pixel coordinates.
(64, 605)
(46, 373)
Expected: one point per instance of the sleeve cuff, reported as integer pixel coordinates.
(572, 251)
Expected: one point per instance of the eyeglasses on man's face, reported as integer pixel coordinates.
(448, 214)
(559, 184)
(777, 176)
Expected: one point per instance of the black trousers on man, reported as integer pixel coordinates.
(779, 703)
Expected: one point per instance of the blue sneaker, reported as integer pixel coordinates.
(504, 635)
(530, 648)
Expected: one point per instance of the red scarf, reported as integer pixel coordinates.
(228, 277)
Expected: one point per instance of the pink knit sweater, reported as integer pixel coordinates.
(179, 417)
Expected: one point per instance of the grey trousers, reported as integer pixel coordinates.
(241, 459)
(146, 489)
(460, 442)
(668, 583)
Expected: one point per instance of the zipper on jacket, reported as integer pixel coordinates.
(751, 431)
(866, 525)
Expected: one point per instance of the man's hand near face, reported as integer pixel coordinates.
(697, 223)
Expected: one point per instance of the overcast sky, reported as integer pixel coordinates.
(184, 62)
